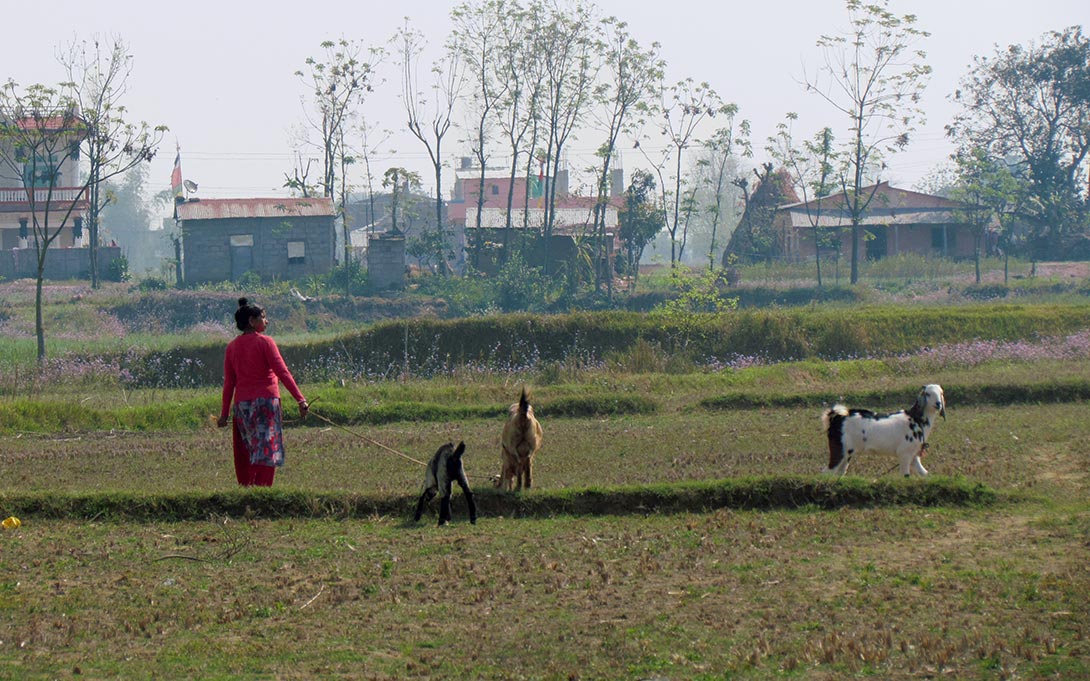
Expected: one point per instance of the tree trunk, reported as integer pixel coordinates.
(39, 326)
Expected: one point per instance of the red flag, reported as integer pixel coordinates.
(176, 178)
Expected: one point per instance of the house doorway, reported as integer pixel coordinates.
(242, 255)
(877, 244)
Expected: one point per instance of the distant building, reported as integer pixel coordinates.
(574, 214)
(31, 184)
(896, 222)
(223, 239)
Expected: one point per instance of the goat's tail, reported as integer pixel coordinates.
(524, 402)
(832, 422)
(830, 416)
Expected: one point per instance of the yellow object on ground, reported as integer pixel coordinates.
(11, 523)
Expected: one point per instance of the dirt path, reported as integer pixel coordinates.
(1064, 270)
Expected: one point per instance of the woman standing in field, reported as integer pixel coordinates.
(251, 367)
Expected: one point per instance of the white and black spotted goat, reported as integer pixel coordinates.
(902, 434)
(444, 469)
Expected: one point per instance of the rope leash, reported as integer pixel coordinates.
(364, 437)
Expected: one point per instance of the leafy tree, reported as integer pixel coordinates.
(98, 73)
(873, 75)
(717, 166)
(640, 219)
(700, 293)
(40, 126)
(632, 77)
(523, 83)
(570, 47)
(812, 167)
(477, 39)
(1031, 107)
(990, 194)
(398, 181)
(338, 83)
(430, 122)
(686, 105)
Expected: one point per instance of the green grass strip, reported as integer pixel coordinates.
(1051, 392)
(752, 493)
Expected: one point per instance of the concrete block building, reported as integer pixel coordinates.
(276, 238)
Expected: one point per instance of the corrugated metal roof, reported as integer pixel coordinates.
(939, 216)
(218, 209)
(885, 197)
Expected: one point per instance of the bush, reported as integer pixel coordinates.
(151, 284)
(118, 269)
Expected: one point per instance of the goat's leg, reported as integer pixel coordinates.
(444, 510)
(510, 472)
(468, 493)
(906, 456)
(444, 505)
(917, 465)
(425, 497)
(529, 472)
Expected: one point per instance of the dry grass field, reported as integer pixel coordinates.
(999, 591)
(300, 583)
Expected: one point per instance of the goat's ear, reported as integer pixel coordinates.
(461, 449)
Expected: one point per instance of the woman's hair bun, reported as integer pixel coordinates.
(242, 302)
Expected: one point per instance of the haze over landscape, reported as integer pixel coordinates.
(221, 75)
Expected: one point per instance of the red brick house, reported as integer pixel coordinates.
(574, 214)
(896, 222)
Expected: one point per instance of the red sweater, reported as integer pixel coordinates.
(251, 366)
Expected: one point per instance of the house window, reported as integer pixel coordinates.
(297, 252)
(495, 190)
(42, 171)
(238, 240)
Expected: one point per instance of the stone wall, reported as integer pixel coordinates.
(60, 263)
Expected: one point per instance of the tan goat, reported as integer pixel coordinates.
(521, 440)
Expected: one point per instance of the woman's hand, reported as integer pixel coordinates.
(304, 408)
(221, 422)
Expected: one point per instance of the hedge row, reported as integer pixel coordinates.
(788, 492)
(427, 347)
(962, 395)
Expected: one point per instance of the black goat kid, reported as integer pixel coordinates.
(443, 470)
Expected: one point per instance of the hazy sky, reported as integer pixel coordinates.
(220, 74)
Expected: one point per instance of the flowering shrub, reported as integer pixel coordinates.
(976, 352)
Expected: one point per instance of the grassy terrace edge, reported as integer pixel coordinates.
(750, 493)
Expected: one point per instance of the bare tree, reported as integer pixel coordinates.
(429, 116)
(368, 148)
(41, 129)
(98, 72)
(872, 74)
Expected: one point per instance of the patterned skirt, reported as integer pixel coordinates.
(261, 424)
